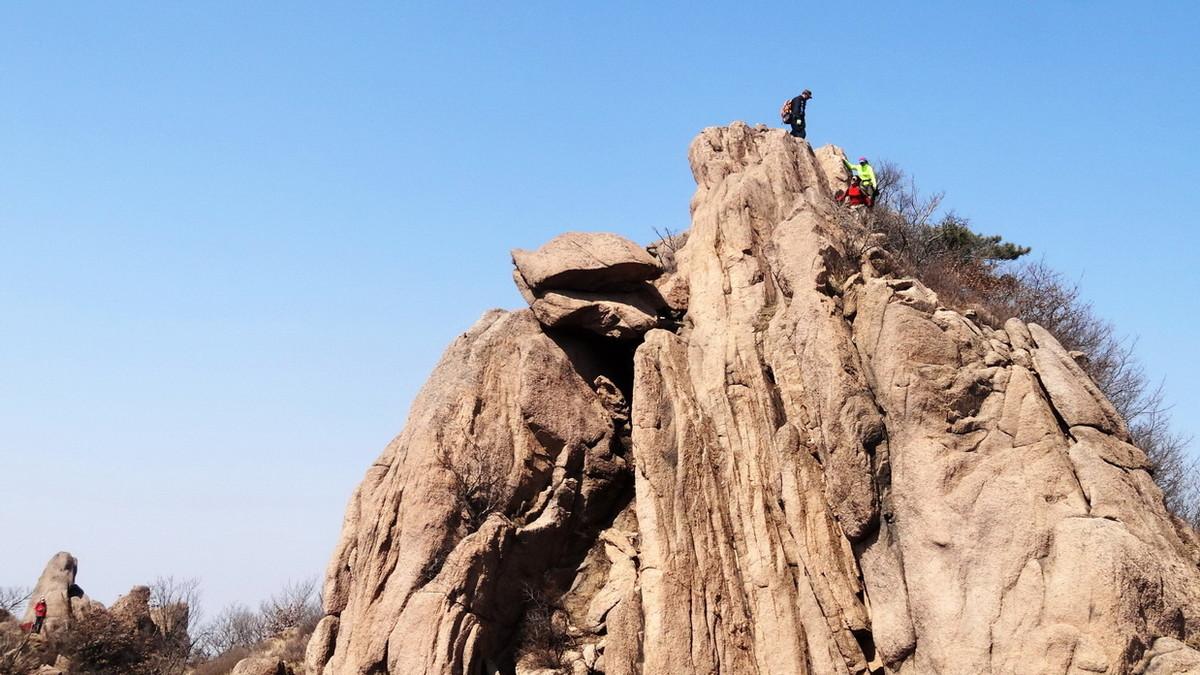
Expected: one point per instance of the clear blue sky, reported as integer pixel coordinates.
(235, 237)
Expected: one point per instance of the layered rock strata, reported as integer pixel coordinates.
(820, 469)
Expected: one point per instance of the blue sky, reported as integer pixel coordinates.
(235, 237)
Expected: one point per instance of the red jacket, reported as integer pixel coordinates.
(39, 609)
(855, 195)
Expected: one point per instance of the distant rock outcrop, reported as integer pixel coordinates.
(132, 630)
(64, 598)
(808, 472)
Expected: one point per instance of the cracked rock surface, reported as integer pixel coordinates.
(796, 474)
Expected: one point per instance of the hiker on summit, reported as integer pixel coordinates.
(39, 615)
(792, 113)
(866, 175)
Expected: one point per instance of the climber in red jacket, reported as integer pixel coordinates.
(854, 195)
(39, 615)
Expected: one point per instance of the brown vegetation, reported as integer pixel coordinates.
(544, 639)
(99, 641)
(478, 481)
(13, 598)
(238, 631)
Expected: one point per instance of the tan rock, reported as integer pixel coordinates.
(623, 314)
(260, 665)
(134, 609)
(620, 315)
(831, 160)
(505, 401)
(64, 599)
(1168, 656)
(1019, 541)
(586, 261)
(1076, 398)
(321, 644)
(830, 476)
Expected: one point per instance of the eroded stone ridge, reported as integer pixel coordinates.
(805, 474)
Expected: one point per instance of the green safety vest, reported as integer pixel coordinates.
(866, 174)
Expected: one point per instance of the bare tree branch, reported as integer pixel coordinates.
(13, 598)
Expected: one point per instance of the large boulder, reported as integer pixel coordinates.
(1168, 656)
(607, 292)
(261, 665)
(586, 261)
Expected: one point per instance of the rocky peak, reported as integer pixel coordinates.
(738, 461)
(64, 598)
(66, 601)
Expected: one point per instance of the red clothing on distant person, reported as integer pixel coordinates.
(39, 609)
(855, 195)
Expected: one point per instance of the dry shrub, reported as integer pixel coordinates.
(237, 631)
(102, 644)
(13, 598)
(296, 606)
(237, 627)
(478, 479)
(18, 652)
(666, 246)
(543, 637)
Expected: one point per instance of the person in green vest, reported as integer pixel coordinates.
(866, 175)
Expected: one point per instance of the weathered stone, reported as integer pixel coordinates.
(506, 404)
(1168, 656)
(1076, 398)
(134, 604)
(620, 315)
(831, 475)
(1020, 542)
(831, 160)
(260, 665)
(134, 609)
(64, 599)
(586, 261)
(320, 645)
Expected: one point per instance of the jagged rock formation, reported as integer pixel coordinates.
(108, 631)
(820, 469)
(64, 598)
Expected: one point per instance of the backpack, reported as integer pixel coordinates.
(785, 112)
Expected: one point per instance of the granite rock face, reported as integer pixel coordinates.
(807, 470)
